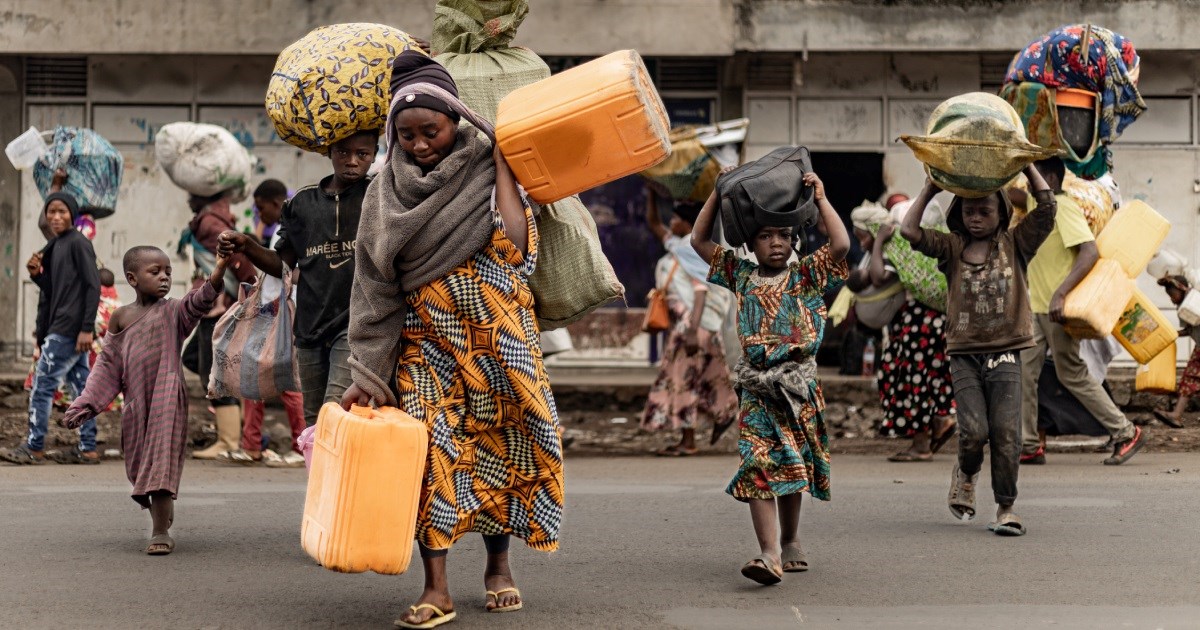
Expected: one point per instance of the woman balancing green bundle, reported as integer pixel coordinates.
(783, 442)
(441, 300)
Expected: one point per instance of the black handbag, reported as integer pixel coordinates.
(768, 192)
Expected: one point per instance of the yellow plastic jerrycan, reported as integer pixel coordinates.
(1132, 237)
(1159, 376)
(583, 127)
(1095, 305)
(1143, 330)
(360, 512)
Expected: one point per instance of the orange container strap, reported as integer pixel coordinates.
(1076, 98)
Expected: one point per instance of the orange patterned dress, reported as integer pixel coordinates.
(471, 369)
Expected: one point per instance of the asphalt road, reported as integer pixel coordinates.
(646, 543)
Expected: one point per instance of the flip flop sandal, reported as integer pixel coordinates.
(938, 442)
(765, 572)
(719, 430)
(794, 555)
(1007, 524)
(905, 456)
(436, 620)
(962, 495)
(160, 540)
(495, 596)
(1166, 419)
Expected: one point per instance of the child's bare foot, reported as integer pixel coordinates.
(428, 607)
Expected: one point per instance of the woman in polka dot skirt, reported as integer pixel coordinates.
(914, 379)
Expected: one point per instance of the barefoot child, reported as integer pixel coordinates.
(990, 323)
(781, 321)
(141, 359)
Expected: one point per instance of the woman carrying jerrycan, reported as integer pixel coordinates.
(441, 300)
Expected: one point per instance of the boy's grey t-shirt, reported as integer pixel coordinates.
(322, 230)
(988, 304)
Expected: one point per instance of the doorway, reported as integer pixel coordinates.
(850, 178)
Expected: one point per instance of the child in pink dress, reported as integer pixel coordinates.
(141, 359)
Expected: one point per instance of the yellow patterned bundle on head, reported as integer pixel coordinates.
(333, 83)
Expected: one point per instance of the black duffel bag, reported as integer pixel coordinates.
(768, 192)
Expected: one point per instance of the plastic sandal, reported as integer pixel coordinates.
(436, 620)
(905, 456)
(938, 442)
(22, 455)
(794, 554)
(495, 595)
(160, 539)
(240, 457)
(962, 495)
(1007, 524)
(765, 573)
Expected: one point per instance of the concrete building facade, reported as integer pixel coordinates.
(844, 77)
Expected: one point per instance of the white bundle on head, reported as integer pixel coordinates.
(933, 217)
(869, 214)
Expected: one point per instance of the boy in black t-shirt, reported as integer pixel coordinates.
(65, 273)
(317, 235)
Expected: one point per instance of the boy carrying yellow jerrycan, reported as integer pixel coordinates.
(360, 513)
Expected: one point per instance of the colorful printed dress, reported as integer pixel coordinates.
(780, 319)
(471, 369)
(143, 361)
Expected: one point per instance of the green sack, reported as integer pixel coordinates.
(689, 172)
(974, 144)
(918, 273)
(572, 278)
(484, 78)
(468, 26)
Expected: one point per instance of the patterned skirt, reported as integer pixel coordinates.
(1189, 383)
(914, 372)
(692, 389)
(472, 370)
(773, 443)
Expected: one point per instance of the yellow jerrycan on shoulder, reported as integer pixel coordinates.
(360, 512)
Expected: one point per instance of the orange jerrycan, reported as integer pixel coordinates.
(1095, 305)
(583, 127)
(360, 512)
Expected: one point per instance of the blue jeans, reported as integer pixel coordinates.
(59, 362)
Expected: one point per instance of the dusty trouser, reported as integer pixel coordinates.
(1073, 374)
(987, 392)
(324, 374)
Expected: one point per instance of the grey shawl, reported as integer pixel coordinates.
(415, 228)
(789, 383)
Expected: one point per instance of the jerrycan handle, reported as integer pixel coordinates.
(362, 412)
